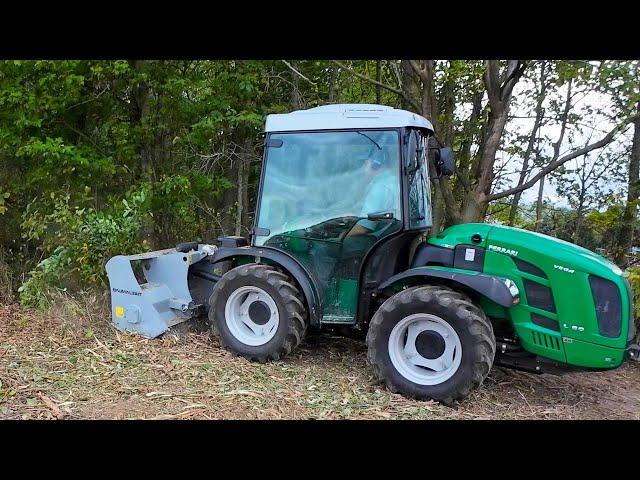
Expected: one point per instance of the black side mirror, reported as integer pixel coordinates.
(445, 163)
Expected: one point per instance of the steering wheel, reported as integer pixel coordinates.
(346, 231)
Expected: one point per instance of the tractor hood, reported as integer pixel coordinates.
(563, 253)
(531, 246)
(576, 299)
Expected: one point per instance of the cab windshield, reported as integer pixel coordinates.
(320, 184)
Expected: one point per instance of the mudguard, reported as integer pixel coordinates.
(498, 289)
(301, 274)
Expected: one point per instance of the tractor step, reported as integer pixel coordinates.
(150, 308)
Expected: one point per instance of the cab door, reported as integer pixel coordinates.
(318, 188)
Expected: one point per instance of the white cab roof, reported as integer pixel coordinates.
(344, 116)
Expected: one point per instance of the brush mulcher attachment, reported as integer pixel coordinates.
(164, 300)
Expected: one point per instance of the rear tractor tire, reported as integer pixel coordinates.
(257, 312)
(431, 342)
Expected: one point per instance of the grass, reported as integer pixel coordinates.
(70, 363)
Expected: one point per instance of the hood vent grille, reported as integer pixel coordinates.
(546, 341)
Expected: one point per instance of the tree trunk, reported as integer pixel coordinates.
(577, 232)
(409, 86)
(475, 203)
(378, 87)
(532, 139)
(437, 201)
(296, 98)
(429, 103)
(499, 86)
(471, 134)
(625, 234)
(539, 206)
(446, 103)
(241, 195)
(424, 96)
(139, 113)
(582, 199)
(333, 80)
(473, 209)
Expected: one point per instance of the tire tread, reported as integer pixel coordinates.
(462, 306)
(291, 299)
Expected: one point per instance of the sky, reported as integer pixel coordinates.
(593, 127)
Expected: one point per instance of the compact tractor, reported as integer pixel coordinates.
(340, 241)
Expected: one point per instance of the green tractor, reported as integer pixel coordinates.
(340, 242)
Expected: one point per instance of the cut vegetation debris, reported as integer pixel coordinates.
(54, 368)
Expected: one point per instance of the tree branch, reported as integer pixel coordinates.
(515, 70)
(83, 135)
(491, 80)
(92, 99)
(380, 84)
(298, 73)
(560, 161)
(419, 71)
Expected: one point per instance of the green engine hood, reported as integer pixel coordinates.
(536, 247)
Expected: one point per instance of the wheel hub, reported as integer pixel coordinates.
(430, 344)
(425, 349)
(259, 312)
(251, 315)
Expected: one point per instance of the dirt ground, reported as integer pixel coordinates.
(72, 364)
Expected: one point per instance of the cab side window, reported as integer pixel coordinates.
(418, 180)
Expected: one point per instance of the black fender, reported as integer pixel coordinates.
(289, 263)
(500, 290)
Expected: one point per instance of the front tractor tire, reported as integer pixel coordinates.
(431, 342)
(257, 312)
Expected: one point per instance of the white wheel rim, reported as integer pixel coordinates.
(244, 303)
(407, 355)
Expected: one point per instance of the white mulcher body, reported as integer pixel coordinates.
(150, 308)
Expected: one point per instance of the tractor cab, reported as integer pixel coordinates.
(338, 182)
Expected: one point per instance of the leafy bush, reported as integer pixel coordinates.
(80, 241)
(173, 203)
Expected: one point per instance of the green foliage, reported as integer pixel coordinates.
(498, 212)
(80, 241)
(107, 157)
(173, 200)
(3, 201)
(55, 161)
(634, 280)
(598, 231)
